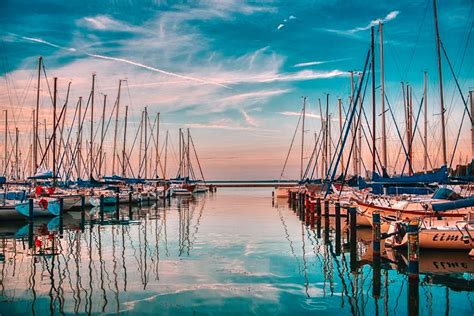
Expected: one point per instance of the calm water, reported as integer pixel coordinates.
(227, 253)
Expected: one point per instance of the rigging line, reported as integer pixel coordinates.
(197, 159)
(308, 166)
(411, 140)
(456, 81)
(359, 122)
(396, 127)
(457, 138)
(463, 54)
(291, 145)
(47, 82)
(408, 67)
(351, 117)
(56, 124)
(310, 161)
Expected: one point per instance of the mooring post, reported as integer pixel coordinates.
(311, 214)
(61, 215)
(318, 207)
(30, 209)
(376, 275)
(101, 208)
(308, 210)
(337, 208)
(30, 235)
(413, 278)
(130, 211)
(83, 212)
(326, 221)
(326, 208)
(413, 249)
(117, 206)
(353, 237)
(376, 233)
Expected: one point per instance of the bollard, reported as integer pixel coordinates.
(61, 215)
(326, 221)
(30, 234)
(117, 206)
(130, 211)
(308, 211)
(353, 238)
(30, 209)
(83, 212)
(337, 214)
(326, 208)
(101, 208)
(376, 233)
(413, 249)
(318, 207)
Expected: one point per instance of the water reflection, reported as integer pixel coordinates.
(228, 252)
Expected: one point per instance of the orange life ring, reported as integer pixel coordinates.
(43, 203)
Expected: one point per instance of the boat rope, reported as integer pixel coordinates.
(291, 146)
(351, 117)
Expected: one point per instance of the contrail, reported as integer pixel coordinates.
(41, 41)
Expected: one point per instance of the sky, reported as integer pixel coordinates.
(234, 72)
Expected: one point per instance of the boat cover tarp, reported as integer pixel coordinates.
(446, 194)
(91, 183)
(452, 205)
(439, 176)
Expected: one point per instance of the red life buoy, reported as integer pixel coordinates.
(39, 190)
(43, 203)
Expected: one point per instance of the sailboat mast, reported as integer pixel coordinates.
(116, 127)
(124, 154)
(302, 138)
(339, 102)
(101, 153)
(374, 114)
(36, 125)
(157, 147)
(382, 100)
(79, 140)
(6, 144)
(425, 127)
(410, 127)
(55, 97)
(91, 148)
(187, 154)
(146, 142)
(471, 96)
(166, 156)
(440, 78)
(353, 128)
(17, 162)
(180, 155)
(326, 138)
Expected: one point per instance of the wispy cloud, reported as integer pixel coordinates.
(307, 114)
(280, 26)
(319, 62)
(106, 23)
(390, 16)
(123, 60)
(248, 119)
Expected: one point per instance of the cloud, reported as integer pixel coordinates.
(313, 63)
(106, 23)
(280, 26)
(249, 120)
(130, 62)
(292, 17)
(307, 114)
(390, 16)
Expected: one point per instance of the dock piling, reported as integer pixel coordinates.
(337, 214)
(101, 208)
(30, 209)
(353, 237)
(117, 206)
(61, 215)
(413, 249)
